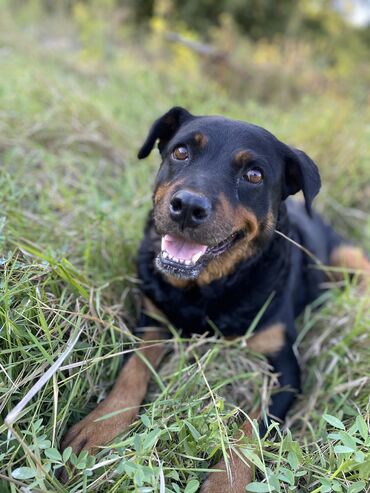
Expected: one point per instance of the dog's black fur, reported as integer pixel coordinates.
(270, 267)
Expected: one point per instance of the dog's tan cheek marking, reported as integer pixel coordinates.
(225, 210)
(270, 222)
(227, 262)
(247, 221)
(161, 191)
(164, 190)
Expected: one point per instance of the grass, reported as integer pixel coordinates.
(74, 199)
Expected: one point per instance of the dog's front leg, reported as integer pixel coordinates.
(124, 399)
(241, 471)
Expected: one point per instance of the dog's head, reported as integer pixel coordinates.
(218, 190)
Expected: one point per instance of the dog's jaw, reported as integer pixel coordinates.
(185, 260)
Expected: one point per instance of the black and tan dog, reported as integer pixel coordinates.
(215, 250)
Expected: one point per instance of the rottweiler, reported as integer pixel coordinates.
(223, 245)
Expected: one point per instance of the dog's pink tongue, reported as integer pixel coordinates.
(181, 248)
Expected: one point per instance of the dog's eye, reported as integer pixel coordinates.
(253, 175)
(180, 153)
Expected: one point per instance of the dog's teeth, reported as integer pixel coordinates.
(188, 262)
(164, 254)
(196, 257)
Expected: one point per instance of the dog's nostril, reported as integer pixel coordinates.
(199, 213)
(176, 204)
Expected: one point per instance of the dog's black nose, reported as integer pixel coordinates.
(190, 209)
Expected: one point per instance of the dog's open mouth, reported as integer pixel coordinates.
(186, 259)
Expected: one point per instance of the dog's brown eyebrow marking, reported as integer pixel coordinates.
(200, 139)
(242, 157)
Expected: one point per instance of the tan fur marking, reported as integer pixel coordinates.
(242, 219)
(268, 341)
(245, 220)
(226, 263)
(127, 394)
(151, 309)
(201, 139)
(161, 191)
(226, 210)
(242, 157)
(351, 258)
(270, 222)
(242, 472)
(178, 283)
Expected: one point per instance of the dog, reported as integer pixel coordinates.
(223, 245)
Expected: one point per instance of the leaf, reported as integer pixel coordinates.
(53, 454)
(67, 454)
(173, 474)
(364, 470)
(192, 486)
(356, 487)
(332, 420)
(137, 443)
(176, 487)
(287, 476)
(347, 440)
(195, 433)
(23, 473)
(258, 487)
(146, 421)
(362, 427)
(43, 443)
(359, 457)
(293, 460)
(151, 438)
(325, 486)
(341, 449)
(336, 486)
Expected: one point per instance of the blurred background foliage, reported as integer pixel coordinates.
(268, 50)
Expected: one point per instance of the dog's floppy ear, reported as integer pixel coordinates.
(301, 173)
(163, 129)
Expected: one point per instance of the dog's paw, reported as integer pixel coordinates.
(219, 482)
(92, 432)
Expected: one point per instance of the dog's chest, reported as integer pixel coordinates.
(228, 306)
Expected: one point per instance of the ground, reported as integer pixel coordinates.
(74, 198)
